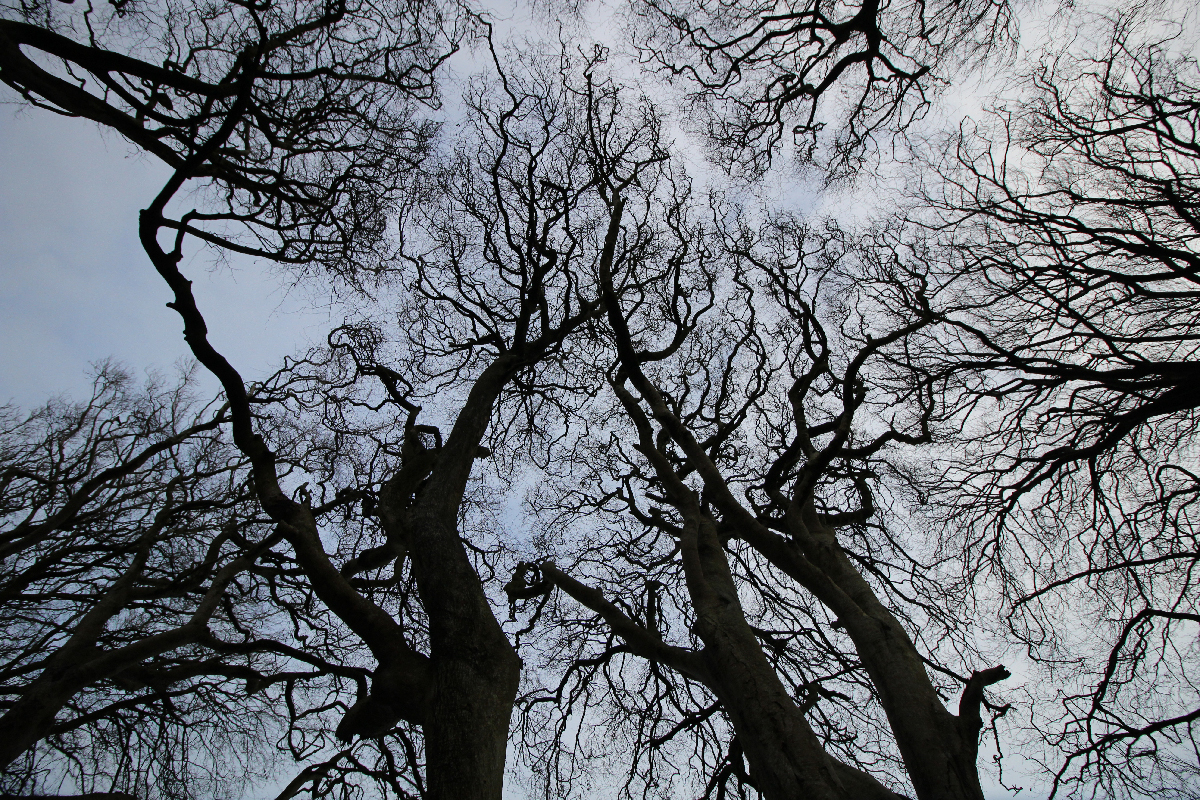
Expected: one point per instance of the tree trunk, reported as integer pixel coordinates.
(32, 717)
(466, 736)
(939, 748)
(786, 758)
(475, 670)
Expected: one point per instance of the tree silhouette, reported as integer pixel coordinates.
(1066, 282)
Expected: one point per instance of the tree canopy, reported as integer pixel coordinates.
(621, 477)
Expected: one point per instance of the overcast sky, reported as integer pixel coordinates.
(75, 286)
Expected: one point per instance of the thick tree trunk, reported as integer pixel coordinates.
(466, 736)
(939, 748)
(31, 718)
(786, 758)
(939, 753)
(475, 670)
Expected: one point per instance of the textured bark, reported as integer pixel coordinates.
(466, 736)
(475, 670)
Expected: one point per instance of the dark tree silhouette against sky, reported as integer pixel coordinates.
(606, 473)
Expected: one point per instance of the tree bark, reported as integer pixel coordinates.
(785, 756)
(475, 670)
(939, 748)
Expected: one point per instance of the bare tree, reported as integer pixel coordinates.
(298, 116)
(500, 249)
(300, 121)
(765, 71)
(1067, 287)
(783, 622)
(725, 410)
(127, 524)
(159, 639)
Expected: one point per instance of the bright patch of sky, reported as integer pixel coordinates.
(76, 287)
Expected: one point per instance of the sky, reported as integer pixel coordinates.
(76, 287)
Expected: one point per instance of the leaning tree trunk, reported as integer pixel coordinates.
(475, 670)
(785, 756)
(940, 749)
